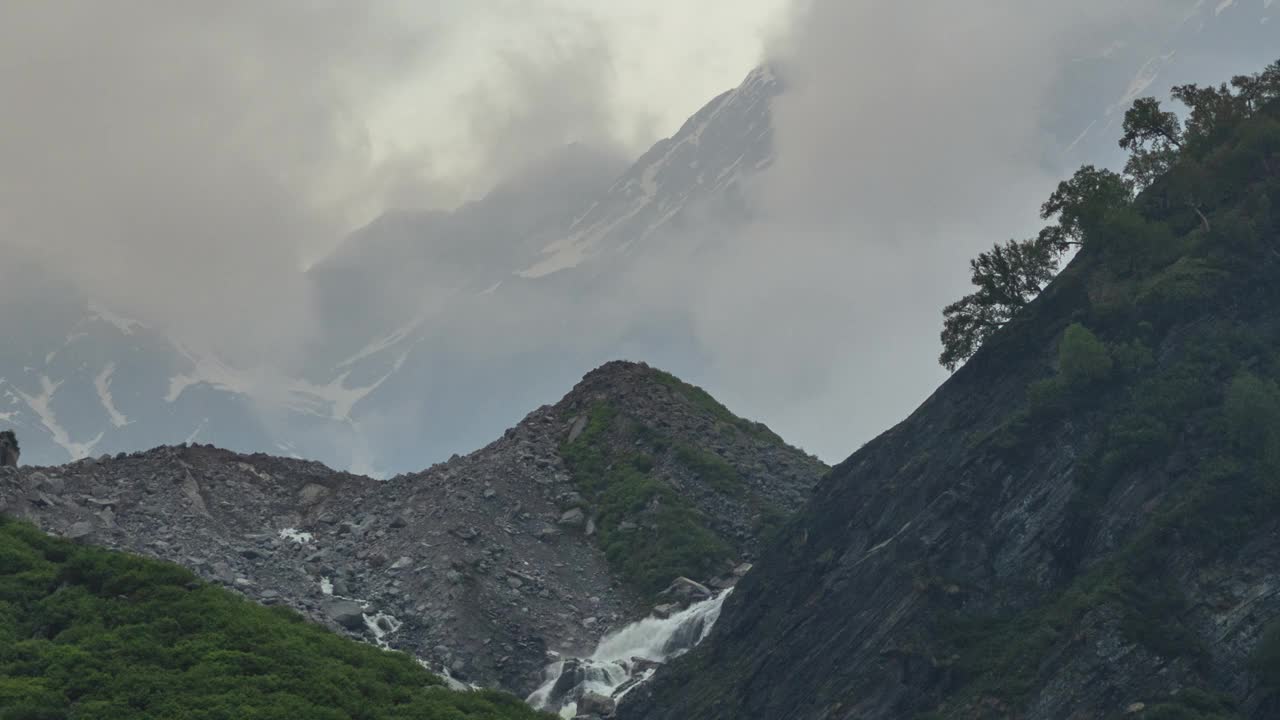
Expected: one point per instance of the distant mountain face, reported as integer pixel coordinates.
(438, 327)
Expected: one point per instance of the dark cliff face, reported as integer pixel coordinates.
(1083, 522)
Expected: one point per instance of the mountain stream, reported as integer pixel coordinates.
(625, 658)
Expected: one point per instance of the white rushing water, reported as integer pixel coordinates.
(625, 658)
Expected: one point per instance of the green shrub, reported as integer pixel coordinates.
(710, 468)
(1047, 396)
(1184, 284)
(671, 537)
(642, 463)
(1133, 239)
(1252, 410)
(1134, 439)
(1132, 358)
(1179, 391)
(704, 401)
(1082, 358)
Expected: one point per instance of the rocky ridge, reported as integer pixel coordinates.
(484, 566)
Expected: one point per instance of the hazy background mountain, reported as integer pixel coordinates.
(177, 190)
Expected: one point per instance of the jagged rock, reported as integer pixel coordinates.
(573, 518)
(9, 451)
(466, 534)
(346, 613)
(598, 705)
(723, 582)
(40, 482)
(579, 424)
(666, 610)
(311, 493)
(686, 589)
(81, 530)
(572, 675)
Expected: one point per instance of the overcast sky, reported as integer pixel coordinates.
(181, 160)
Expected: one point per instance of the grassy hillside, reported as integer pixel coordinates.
(88, 634)
(677, 483)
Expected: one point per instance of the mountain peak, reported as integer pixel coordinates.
(583, 511)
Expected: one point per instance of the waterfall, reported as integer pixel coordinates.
(625, 658)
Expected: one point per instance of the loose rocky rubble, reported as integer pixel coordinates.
(483, 566)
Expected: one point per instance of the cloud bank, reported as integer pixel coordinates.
(911, 136)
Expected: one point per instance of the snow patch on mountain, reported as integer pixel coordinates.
(125, 325)
(401, 334)
(196, 433)
(206, 370)
(41, 405)
(729, 135)
(335, 400)
(102, 383)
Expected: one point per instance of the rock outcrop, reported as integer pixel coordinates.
(480, 566)
(9, 451)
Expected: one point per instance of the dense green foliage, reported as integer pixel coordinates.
(713, 469)
(1224, 154)
(1082, 358)
(650, 533)
(1008, 277)
(88, 634)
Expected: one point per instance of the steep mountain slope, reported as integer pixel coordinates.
(480, 565)
(88, 633)
(1083, 521)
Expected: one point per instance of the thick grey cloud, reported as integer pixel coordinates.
(175, 158)
(912, 135)
(182, 161)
